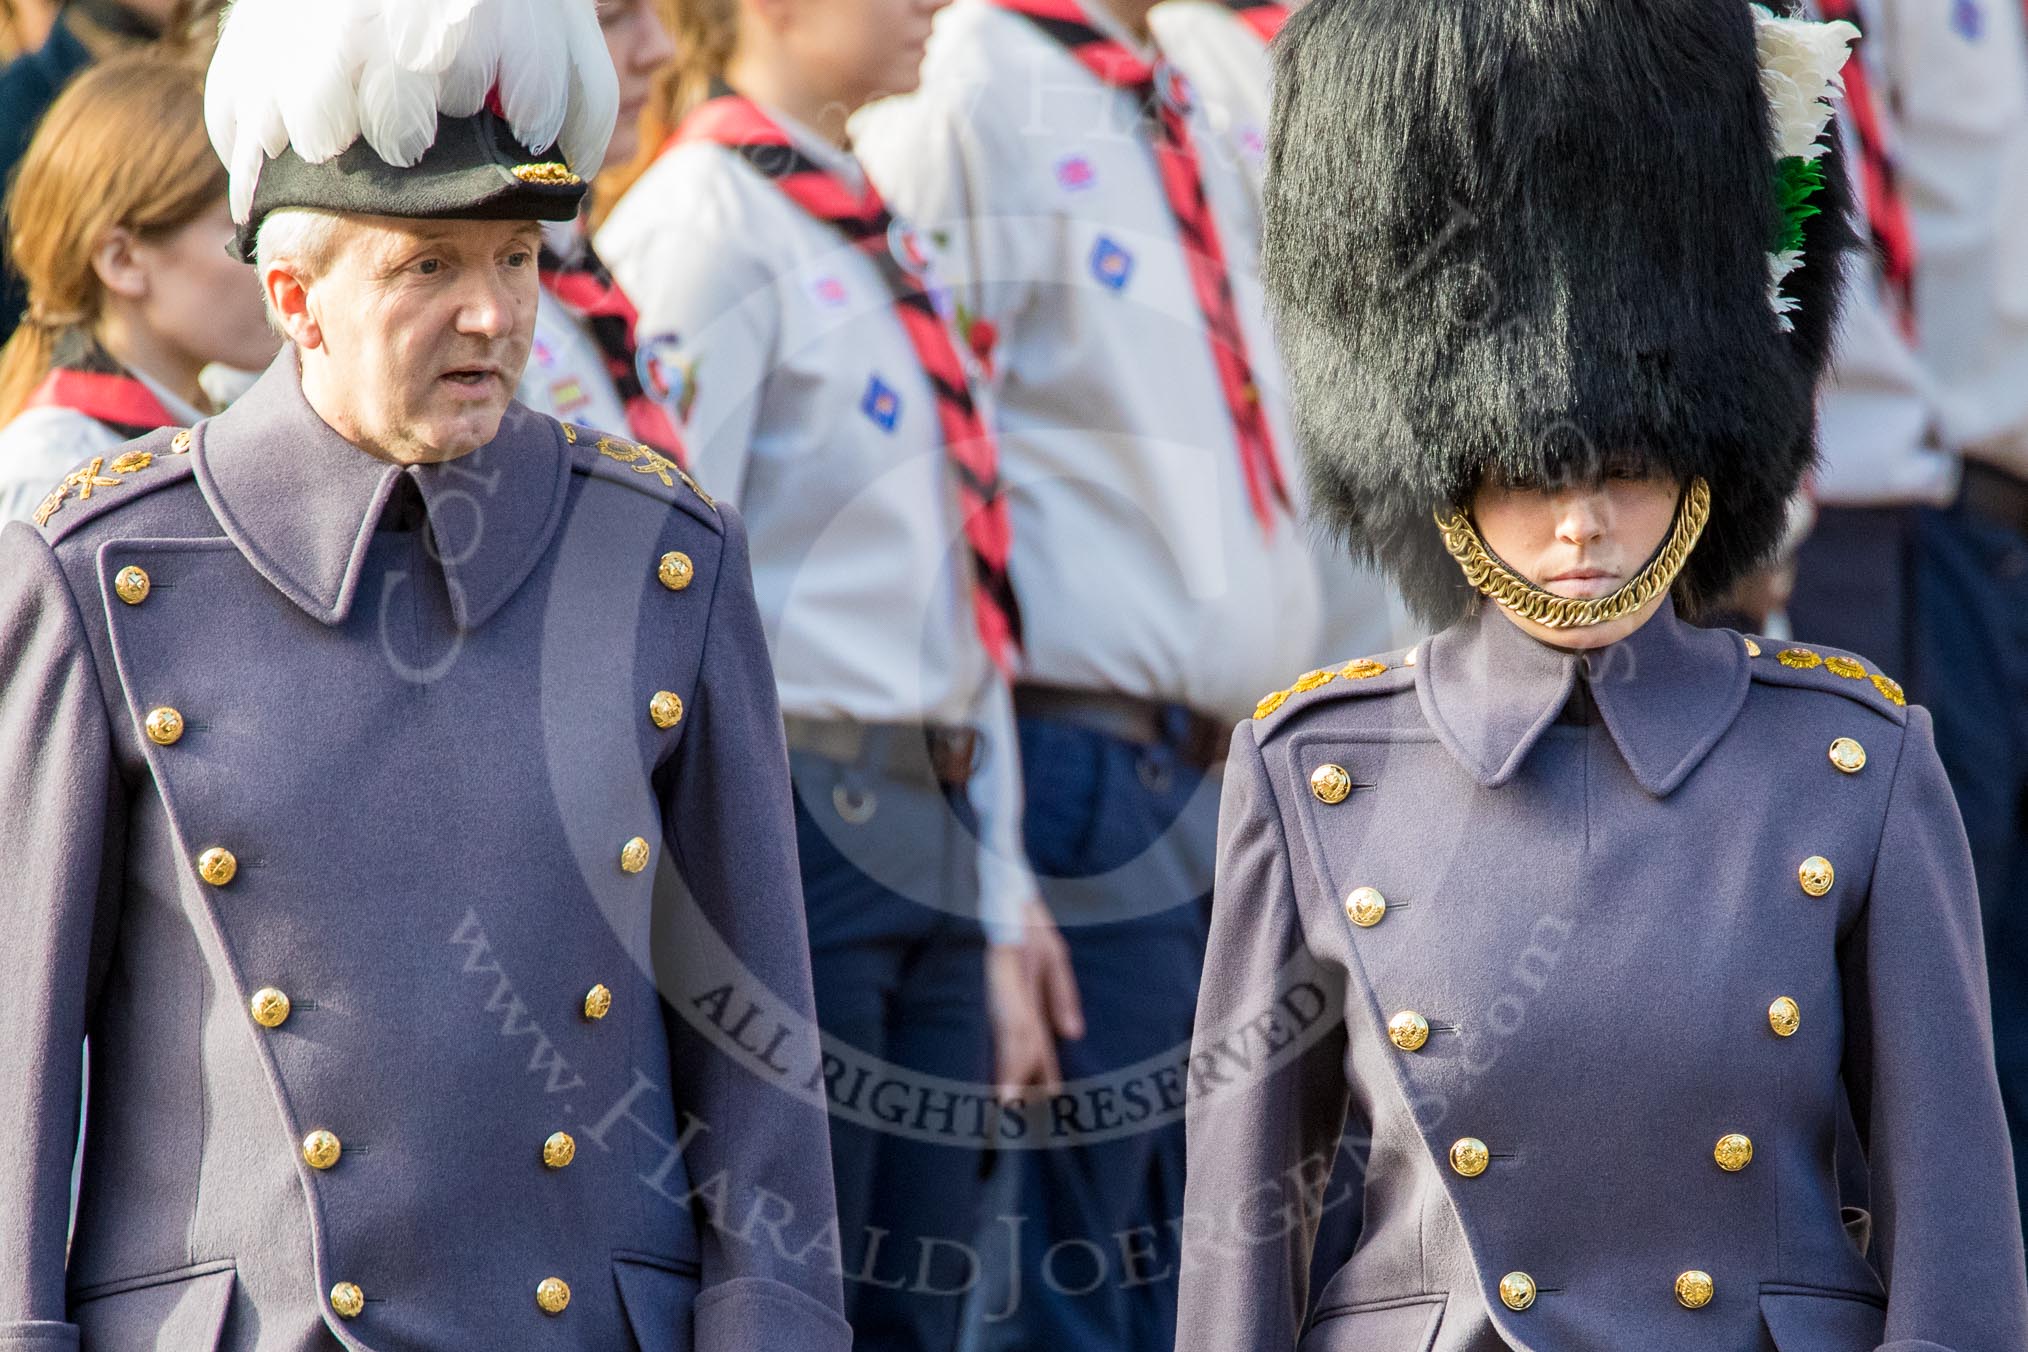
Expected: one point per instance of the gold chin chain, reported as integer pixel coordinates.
(1485, 570)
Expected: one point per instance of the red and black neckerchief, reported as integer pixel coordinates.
(1886, 209)
(741, 126)
(1161, 89)
(1265, 17)
(84, 377)
(582, 285)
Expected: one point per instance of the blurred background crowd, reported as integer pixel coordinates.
(959, 306)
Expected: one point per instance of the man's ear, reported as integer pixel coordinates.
(289, 302)
(119, 270)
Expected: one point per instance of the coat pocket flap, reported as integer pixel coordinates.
(184, 1309)
(658, 1297)
(1822, 1321)
(1405, 1325)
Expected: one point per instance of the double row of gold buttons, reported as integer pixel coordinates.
(1470, 1157)
(270, 1007)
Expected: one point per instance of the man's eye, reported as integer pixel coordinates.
(430, 267)
(520, 260)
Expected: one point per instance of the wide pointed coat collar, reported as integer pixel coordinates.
(1666, 694)
(302, 503)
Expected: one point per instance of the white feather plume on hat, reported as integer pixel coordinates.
(318, 76)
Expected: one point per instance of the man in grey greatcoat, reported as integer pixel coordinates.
(395, 793)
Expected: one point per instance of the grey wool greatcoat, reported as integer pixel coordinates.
(358, 852)
(1598, 952)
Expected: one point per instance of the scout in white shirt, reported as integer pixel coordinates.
(1921, 553)
(1160, 556)
(802, 328)
(1222, 45)
(118, 226)
(584, 366)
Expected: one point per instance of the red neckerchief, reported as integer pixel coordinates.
(583, 286)
(1265, 17)
(1161, 88)
(87, 379)
(1886, 209)
(738, 124)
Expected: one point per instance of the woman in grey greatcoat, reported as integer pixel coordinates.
(1645, 956)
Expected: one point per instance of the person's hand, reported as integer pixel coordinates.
(1024, 1055)
(1034, 1002)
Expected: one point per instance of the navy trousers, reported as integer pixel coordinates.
(1123, 839)
(889, 871)
(1940, 600)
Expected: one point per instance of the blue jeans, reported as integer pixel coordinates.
(1122, 838)
(889, 872)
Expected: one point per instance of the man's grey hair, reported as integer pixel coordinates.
(303, 239)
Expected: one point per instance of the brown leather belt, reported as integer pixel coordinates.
(911, 752)
(1197, 740)
(1995, 494)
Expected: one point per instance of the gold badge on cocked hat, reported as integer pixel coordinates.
(548, 174)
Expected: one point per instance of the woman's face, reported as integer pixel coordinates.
(1579, 541)
(640, 46)
(864, 49)
(199, 302)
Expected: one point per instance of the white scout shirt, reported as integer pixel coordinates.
(1229, 68)
(1952, 94)
(1360, 612)
(566, 375)
(43, 444)
(1136, 551)
(811, 412)
(1960, 104)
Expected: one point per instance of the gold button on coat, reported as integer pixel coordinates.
(1517, 1290)
(1470, 1157)
(1848, 755)
(598, 1002)
(1733, 1152)
(348, 1300)
(217, 866)
(321, 1150)
(559, 1150)
(1366, 907)
(1694, 1290)
(1408, 1030)
(634, 855)
(165, 726)
(1331, 784)
(132, 585)
(666, 709)
(1784, 1016)
(1816, 875)
(553, 1295)
(676, 570)
(270, 1007)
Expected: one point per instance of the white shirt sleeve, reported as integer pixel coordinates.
(679, 247)
(1006, 884)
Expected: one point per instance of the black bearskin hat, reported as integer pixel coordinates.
(1533, 236)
